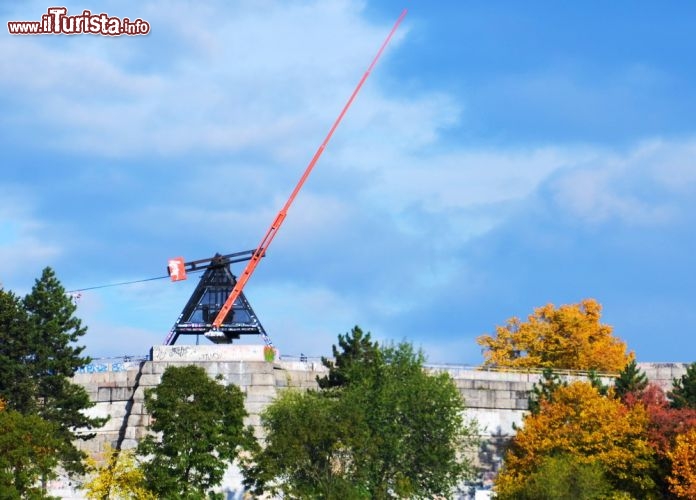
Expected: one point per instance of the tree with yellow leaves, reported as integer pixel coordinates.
(568, 337)
(118, 477)
(682, 481)
(581, 423)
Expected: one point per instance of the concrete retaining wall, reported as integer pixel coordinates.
(663, 374)
(496, 399)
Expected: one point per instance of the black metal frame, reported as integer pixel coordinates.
(210, 294)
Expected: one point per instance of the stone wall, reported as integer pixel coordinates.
(496, 399)
(663, 374)
(120, 394)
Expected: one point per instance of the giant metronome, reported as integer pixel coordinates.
(213, 289)
(218, 303)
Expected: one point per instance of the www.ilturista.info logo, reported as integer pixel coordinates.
(56, 21)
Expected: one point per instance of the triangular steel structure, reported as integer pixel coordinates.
(213, 289)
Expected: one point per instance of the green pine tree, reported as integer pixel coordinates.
(355, 355)
(54, 334)
(544, 389)
(597, 383)
(683, 394)
(17, 383)
(631, 380)
(38, 357)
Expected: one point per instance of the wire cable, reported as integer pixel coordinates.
(121, 283)
(116, 284)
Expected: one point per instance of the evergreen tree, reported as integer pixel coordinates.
(683, 393)
(38, 356)
(544, 389)
(631, 380)
(17, 383)
(54, 331)
(597, 383)
(358, 355)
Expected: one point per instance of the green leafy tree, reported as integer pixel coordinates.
(683, 394)
(39, 355)
(29, 450)
(631, 380)
(308, 449)
(388, 430)
(197, 431)
(357, 356)
(564, 476)
(415, 428)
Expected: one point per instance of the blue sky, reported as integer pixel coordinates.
(503, 155)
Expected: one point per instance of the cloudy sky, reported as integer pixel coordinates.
(501, 156)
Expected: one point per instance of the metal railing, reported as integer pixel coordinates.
(113, 364)
(125, 362)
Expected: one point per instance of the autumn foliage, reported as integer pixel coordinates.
(682, 482)
(594, 429)
(581, 438)
(664, 422)
(568, 337)
(119, 476)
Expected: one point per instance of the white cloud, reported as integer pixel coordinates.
(591, 195)
(639, 187)
(468, 178)
(670, 163)
(219, 81)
